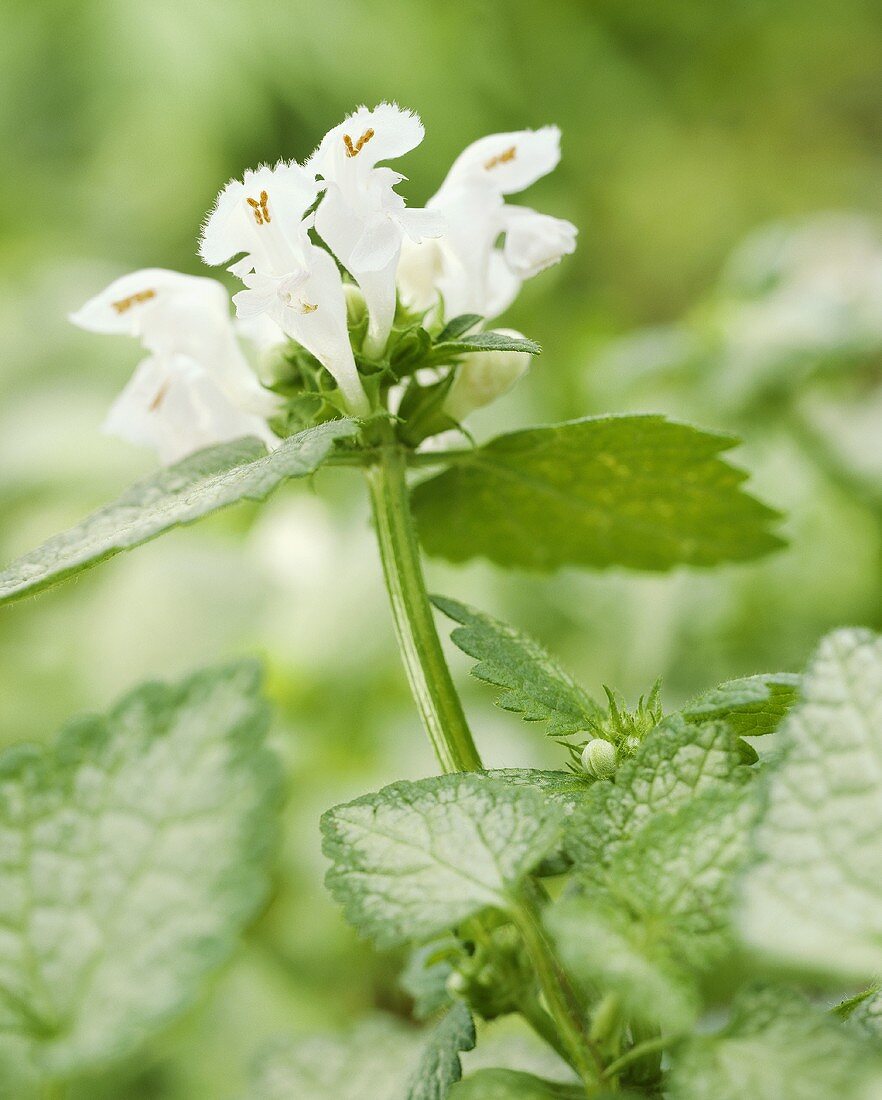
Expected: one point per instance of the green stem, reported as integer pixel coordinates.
(427, 671)
(639, 1052)
(559, 997)
(539, 1020)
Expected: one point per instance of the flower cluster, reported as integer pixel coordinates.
(302, 238)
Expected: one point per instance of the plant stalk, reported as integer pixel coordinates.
(559, 998)
(430, 681)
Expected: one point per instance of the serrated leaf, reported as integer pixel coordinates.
(753, 706)
(636, 491)
(566, 788)
(656, 914)
(447, 350)
(440, 1066)
(777, 1046)
(373, 1059)
(510, 1084)
(131, 857)
(181, 494)
(418, 858)
(676, 763)
(814, 898)
(534, 685)
(608, 951)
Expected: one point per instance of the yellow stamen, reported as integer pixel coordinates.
(260, 208)
(307, 307)
(161, 395)
(125, 304)
(354, 150)
(501, 158)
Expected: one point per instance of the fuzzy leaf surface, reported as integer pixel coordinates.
(181, 494)
(131, 857)
(440, 1066)
(417, 858)
(776, 1046)
(373, 1059)
(814, 898)
(753, 706)
(534, 684)
(636, 491)
(510, 1084)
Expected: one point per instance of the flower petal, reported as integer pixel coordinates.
(510, 161)
(535, 241)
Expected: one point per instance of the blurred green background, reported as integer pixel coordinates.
(688, 127)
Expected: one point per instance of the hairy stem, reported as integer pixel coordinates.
(427, 671)
(559, 997)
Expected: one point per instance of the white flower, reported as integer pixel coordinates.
(483, 376)
(361, 217)
(466, 267)
(196, 388)
(174, 405)
(286, 276)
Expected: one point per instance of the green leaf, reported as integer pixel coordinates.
(753, 706)
(608, 951)
(458, 326)
(656, 915)
(637, 491)
(424, 978)
(374, 1059)
(534, 685)
(447, 350)
(440, 1066)
(814, 898)
(864, 1013)
(131, 857)
(776, 1046)
(181, 494)
(417, 859)
(510, 1084)
(676, 763)
(566, 788)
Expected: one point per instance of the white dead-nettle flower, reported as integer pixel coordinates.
(467, 266)
(286, 276)
(360, 216)
(196, 387)
(483, 376)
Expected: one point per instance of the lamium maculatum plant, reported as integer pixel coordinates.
(689, 906)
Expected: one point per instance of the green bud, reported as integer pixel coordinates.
(599, 758)
(457, 984)
(483, 376)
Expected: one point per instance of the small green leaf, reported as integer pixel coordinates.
(510, 1084)
(448, 350)
(753, 706)
(424, 978)
(636, 491)
(181, 494)
(440, 1066)
(814, 898)
(131, 857)
(417, 859)
(373, 1059)
(864, 1013)
(534, 685)
(777, 1046)
(458, 326)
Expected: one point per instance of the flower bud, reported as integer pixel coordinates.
(599, 758)
(483, 376)
(356, 307)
